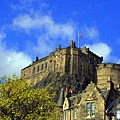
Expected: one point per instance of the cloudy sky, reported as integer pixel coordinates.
(30, 28)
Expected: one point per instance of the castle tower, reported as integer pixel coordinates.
(108, 72)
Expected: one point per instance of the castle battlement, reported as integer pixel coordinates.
(105, 71)
(108, 65)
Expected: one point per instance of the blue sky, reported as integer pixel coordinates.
(30, 28)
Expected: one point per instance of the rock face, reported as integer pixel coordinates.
(74, 83)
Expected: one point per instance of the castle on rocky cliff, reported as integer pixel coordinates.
(99, 100)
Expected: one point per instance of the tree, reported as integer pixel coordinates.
(20, 101)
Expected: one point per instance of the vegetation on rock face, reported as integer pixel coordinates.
(76, 83)
(20, 101)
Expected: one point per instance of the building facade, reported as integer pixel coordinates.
(99, 100)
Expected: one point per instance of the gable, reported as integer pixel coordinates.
(91, 96)
(66, 104)
(92, 93)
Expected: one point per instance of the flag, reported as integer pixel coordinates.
(80, 34)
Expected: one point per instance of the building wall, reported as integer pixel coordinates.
(79, 109)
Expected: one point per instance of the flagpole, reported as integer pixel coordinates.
(79, 35)
(78, 39)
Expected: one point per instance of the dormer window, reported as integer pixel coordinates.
(90, 109)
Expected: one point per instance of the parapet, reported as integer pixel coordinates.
(108, 65)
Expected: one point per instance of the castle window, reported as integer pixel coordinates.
(90, 109)
(42, 67)
(82, 57)
(46, 65)
(89, 61)
(38, 68)
(33, 69)
(69, 55)
(82, 63)
(65, 115)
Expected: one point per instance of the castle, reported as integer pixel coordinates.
(71, 60)
(100, 98)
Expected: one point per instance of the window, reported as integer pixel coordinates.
(118, 114)
(46, 65)
(82, 64)
(65, 115)
(38, 68)
(90, 109)
(33, 69)
(42, 67)
(82, 57)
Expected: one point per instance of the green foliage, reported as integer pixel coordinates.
(20, 101)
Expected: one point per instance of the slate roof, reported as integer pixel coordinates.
(111, 106)
(61, 99)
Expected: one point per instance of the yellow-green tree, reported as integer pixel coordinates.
(20, 101)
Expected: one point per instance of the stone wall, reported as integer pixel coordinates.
(108, 72)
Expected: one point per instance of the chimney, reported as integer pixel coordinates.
(66, 92)
(59, 47)
(110, 84)
(36, 58)
(72, 44)
(71, 90)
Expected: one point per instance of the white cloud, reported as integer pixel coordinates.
(101, 49)
(11, 61)
(44, 45)
(118, 61)
(48, 31)
(90, 32)
(27, 22)
(2, 36)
